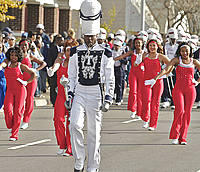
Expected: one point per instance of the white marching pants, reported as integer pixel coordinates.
(86, 102)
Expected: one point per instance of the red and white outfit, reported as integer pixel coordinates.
(63, 139)
(31, 88)
(136, 82)
(151, 96)
(184, 95)
(14, 99)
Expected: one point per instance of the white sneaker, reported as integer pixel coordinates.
(133, 114)
(172, 107)
(183, 143)
(12, 139)
(60, 151)
(118, 103)
(151, 128)
(174, 141)
(24, 126)
(165, 105)
(145, 124)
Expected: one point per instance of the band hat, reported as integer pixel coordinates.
(172, 33)
(181, 36)
(121, 33)
(118, 40)
(111, 35)
(102, 34)
(90, 13)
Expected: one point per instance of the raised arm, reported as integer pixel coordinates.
(26, 69)
(4, 64)
(197, 65)
(169, 67)
(41, 63)
(129, 53)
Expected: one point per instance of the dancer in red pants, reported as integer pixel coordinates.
(62, 133)
(31, 87)
(136, 78)
(151, 95)
(184, 92)
(16, 92)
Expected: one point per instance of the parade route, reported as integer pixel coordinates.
(125, 145)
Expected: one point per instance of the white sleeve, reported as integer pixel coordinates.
(72, 74)
(107, 70)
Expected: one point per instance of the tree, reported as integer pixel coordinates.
(5, 5)
(183, 12)
(112, 14)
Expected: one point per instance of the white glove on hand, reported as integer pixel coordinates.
(150, 82)
(23, 82)
(1, 68)
(50, 71)
(195, 82)
(63, 80)
(68, 104)
(138, 59)
(105, 107)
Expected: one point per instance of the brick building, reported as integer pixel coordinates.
(55, 15)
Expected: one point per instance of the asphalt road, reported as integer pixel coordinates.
(125, 145)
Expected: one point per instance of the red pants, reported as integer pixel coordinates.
(150, 103)
(135, 92)
(31, 88)
(183, 101)
(13, 104)
(63, 138)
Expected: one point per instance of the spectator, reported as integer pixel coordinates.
(44, 50)
(52, 55)
(24, 35)
(8, 30)
(71, 34)
(11, 42)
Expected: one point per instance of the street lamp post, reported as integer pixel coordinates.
(142, 15)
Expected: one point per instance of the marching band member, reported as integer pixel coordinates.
(88, 63)
(151, 95)
(184, 92)
(31, 87)
(62, 133)
(16, 91)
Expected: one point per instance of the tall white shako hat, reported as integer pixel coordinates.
(152, 33)
(102, 34)
(118, 40)
(172, 33)
(90, 13)
(181, 36)
(143, 35)
(121, 33)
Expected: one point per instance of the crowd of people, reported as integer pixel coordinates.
(79, 71)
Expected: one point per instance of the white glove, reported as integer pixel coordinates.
(23, 82)
(63, 80)
(150, 82)
(50, 71)
(105, 107)
(68, 104)
(195, 82)
(1, 68)
(138, 59)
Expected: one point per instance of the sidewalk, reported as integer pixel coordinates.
(40, 101)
